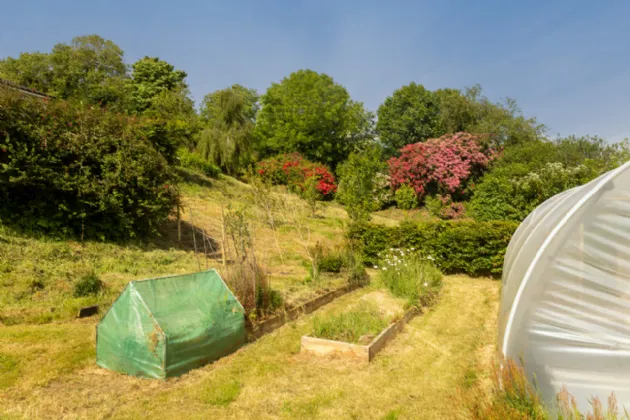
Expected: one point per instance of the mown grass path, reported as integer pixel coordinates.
(419, 375)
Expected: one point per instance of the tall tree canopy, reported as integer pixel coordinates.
(307, 112)
(151, 77)
(410, 115)
(90, 69)
(414, 114)
(228, 116)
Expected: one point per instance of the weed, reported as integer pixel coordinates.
(392, 415)
(89, 284)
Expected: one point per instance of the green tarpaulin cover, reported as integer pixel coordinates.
(166, 326)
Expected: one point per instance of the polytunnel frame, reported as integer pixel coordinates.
(515, 303)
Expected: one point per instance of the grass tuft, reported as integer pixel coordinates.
(223, 394)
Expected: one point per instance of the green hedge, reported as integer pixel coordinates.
(462, 246)
(80, 171)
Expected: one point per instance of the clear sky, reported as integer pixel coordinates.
(567, 63)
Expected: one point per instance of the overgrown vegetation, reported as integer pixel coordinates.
(358, 325)
(80, 171)
(408, 275)
(512, 396)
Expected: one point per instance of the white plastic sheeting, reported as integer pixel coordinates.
(565, 304)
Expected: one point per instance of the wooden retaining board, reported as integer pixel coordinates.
(323, 347)
(265, 327)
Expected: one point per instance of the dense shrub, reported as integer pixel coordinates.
(79, 171)
(406, 198)
(409, 275)
(293, 170)
(501, 197)
(88, 284)
(195, 161)
(443, 207)
(357, 183)
(462, 246)
(444, 165)
(382, 194)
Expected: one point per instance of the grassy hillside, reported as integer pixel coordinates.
(39, 275)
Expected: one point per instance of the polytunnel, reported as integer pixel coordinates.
(565, 304)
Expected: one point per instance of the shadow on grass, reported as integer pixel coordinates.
(192, 177)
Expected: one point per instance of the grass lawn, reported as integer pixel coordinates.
(48, 371)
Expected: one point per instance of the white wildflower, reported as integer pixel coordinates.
(430, 258)
(376, 267)
(426, 284)
(384, 268)
(413, 249)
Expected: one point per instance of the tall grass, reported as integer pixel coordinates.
(513, 397)
(358, 325)
(408, 275)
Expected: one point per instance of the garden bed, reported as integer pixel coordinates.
(325, 347)
(257, 330)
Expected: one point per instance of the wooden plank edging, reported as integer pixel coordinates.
(258, 330)
(320, 346)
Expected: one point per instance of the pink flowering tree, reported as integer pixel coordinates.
(445, 165)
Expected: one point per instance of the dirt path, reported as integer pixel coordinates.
(416, 376)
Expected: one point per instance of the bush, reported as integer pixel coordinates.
(382, 194)
(445, 165)
(357, 183)
(358, 325)
(406, 198)
(195, 161)
(443, 207)
(293, 170)
(463, 246)
(89, 284)
(499, 197)
(408, 275)
(80, 171)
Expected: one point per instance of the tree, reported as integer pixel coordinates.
(151, 77)
(307, 112)
(357, 182)
(228, 116)
(211, 109)
(410, 115)
(502, 124)
(90, 69)
(158, 91)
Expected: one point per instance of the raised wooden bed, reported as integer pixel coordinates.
(265, 327)
(323, 347)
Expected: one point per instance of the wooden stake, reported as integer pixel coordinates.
(179, 225)
(223, 241)
(192, 223)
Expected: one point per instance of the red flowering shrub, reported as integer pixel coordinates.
(443, 165)
(293, 170)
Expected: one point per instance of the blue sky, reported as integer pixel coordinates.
(567, 63)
